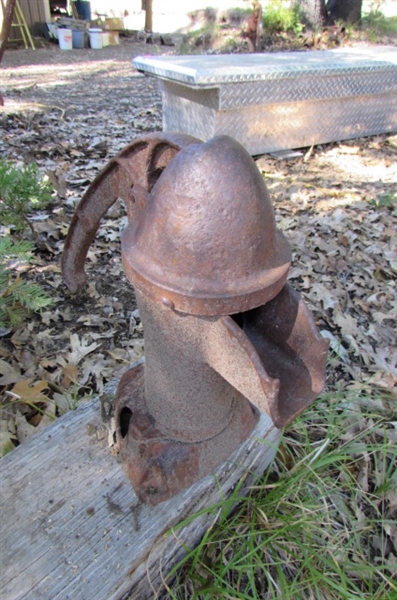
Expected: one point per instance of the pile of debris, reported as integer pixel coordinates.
(74, 24)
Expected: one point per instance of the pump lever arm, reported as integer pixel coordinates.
(129, 176)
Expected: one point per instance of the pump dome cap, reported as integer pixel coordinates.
(207, 242)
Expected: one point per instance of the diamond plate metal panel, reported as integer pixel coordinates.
(181, 115)
(307, 88)
(300, 124)
(202, 70)
(281, 100)
(291, 125)
(241, 95)
(209, 97)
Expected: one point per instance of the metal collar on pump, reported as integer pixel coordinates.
(207, 242)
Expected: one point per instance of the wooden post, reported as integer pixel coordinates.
(72, 526)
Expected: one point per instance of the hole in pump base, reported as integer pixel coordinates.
(125, 418)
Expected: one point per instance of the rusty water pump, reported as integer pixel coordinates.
(225, 335)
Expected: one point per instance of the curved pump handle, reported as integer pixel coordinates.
(129, 176)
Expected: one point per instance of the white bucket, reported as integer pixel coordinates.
(65, 39)
(95, 38)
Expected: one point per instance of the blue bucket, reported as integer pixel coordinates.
(83, 9)
(78, 38)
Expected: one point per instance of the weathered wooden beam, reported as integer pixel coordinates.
(72, 526)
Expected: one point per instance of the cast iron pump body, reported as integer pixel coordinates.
(225, 335)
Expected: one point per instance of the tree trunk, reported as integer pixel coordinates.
(312, 13)
(344, 10)
(7, 8)
(149, 15)
(253, 29)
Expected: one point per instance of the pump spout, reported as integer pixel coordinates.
(273, 355)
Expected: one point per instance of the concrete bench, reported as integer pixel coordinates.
(280, 100)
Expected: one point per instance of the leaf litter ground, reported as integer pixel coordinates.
(71, 112)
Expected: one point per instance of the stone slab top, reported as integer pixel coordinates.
(209, 70)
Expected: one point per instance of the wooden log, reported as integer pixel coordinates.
(72, 526)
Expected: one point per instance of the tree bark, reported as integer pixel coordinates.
(344, 10)
(8, 14)
(7, 7)
(312, 13)
(253, 30)
(149, 15)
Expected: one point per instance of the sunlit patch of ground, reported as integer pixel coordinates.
(351, 164)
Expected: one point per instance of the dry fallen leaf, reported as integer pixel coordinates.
(25, 390)
(80, 349)
(10, 373)
(70, 374)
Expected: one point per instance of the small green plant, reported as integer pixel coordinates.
(376, 25)
(229, 45)
(22, 189)
(384, 200)
(198, 39)
(278, 18)
(17, 295)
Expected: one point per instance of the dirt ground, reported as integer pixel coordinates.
(71, 112)
(94, 88)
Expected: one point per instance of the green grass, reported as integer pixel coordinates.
(278, 18)
(318, 525)
(376, 25)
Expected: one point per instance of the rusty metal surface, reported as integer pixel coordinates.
(293, 352)
(158, 465)
(224, 334)
(129, 176)
(204, 376)
(207, 242)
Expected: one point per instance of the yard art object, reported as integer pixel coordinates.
(225, 335)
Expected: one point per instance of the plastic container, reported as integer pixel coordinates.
(78, 38)
(65, 39)
(105, 39)
(95, 38)
(83, 9)
(114, 38)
